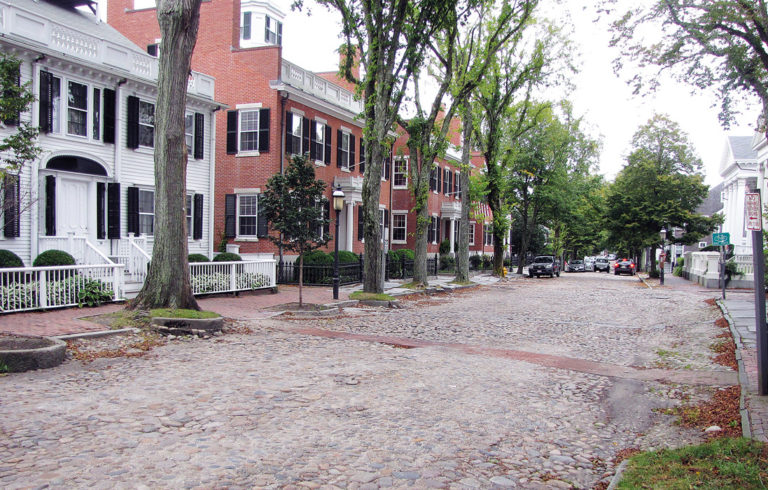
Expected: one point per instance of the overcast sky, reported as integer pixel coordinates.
(603, 99)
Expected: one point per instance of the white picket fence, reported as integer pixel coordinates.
(36, 288)
(225, 277)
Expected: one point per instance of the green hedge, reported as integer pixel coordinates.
(51, 258)
(10, 259)
(227, 257)
(197, 258)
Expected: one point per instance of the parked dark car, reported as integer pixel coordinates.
(575, 266)
(602, 264)
(624, 266)
(544, 265)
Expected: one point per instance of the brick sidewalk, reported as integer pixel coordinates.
(246, 306)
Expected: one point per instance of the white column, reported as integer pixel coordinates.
(350, 225)
(453, 228)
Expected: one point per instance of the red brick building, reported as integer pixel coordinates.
(276, 108)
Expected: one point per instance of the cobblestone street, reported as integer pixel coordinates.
(452, 391)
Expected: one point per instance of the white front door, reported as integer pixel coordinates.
(73, 207)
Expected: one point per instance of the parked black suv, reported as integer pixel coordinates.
(544, 265)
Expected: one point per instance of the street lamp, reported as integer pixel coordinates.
(338, 205)
(663, 235)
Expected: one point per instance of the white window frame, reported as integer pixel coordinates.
(487, 234)
(436, 224)
(60, 108)
(239, 215)
(189, 131)
(345, 155)
(319, 126)
(457, 187)
(404, 227)
(274, 36)
(472, 233)
(190, 210)
(242, 25)
(83, 111)
(298, 124)
(240, 130)
(148, 194)
(401, 173)
(145, 125)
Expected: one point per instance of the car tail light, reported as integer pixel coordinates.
(616, 265)
(632, 265)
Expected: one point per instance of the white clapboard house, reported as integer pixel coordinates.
(91, 192)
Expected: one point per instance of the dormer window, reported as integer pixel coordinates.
(273, 31)
(245, 26)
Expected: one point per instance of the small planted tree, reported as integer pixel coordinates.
(292, 203)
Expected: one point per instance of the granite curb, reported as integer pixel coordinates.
(746, 425)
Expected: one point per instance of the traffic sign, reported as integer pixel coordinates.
(752, 208)
(721, 239)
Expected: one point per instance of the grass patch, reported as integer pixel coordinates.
(121, 319)
(362, 296)
(412, 285)
(721, 463)
(182, 313)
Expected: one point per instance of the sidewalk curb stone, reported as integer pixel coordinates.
(746, 426)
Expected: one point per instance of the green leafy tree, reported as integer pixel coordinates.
(660, 187)
(391, 39)
(168, 280)
(719, 44)
(291, 203)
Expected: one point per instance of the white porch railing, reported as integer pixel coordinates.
(224, 277)
(34, 288)
(138, 262)
(83, 251)
(744, 264)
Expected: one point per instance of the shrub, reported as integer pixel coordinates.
(475, 261)
(653, 274)
(487, 261)
(406, 253)
(347, 257)
(10, 259)
(445, 247)
(227, 257)
(317, 257)
(197, 258)
(678, 271)
(447, 262)
(53, 257)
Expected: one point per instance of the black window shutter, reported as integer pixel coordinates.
(113, 210)
(152, 50)
(338, 148)
(133, 210)
(360, 222)
(46, 96)
(446, 181)
(264, 131)
(13, 121)
(280, 33)
(328, 146)
(197, 217)
(288, 127)
(230, 217)
(351, 152)
(313, 141)
(362, 156)
(305, 135)
(50, 205)
(386, 219)
(231, 132)
(109, 116)
(327, 216)
(199, 135)
(430, 229)
(11, 206)
(439, 173)
(387, 165)
(132, 128)
(101, 229)
(262, 229)
(455, 177)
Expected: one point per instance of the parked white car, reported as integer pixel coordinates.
(589, 264)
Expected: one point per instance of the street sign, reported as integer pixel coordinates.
(721, 239)
(752, 208)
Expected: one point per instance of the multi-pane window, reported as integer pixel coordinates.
(96, 113)
(382, 220)
(400, 173)
(456, 231)
(344, 150)
(146, 124)
(56, 104)
(458, 185)
(245, 26)
(77, 109)
(434, 224)
(189, 131)
(319, 141)
(247, 215)
(488, 232)
(273, 31)
(295, 134)
(249, 130)
(146, 212)
(399, 225)
(189, 209)
(471, 232)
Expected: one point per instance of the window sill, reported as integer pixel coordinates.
(345, 169)
(399, 242)
(246, 239)
(318, 163)
(243, 154)
(400, 187)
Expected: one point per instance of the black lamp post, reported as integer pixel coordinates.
(663, 257)
(338, 205)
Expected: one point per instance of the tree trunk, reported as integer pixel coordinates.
(372, 231)
(168, 281)
(462, 262)
(421, 165)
